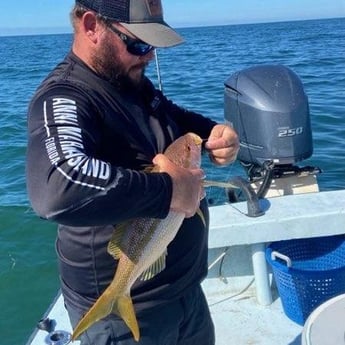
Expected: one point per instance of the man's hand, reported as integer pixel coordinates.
(222, 145)
(187, 185)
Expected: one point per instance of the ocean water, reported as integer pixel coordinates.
(193, 75)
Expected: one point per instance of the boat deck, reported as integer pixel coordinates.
(240, 320)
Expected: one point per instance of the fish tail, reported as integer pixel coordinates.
(123, 306)
(98, 311)
(107, 303)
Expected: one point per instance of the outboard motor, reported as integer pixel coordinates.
(268, 108)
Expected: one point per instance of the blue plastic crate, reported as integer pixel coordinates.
(307, 273)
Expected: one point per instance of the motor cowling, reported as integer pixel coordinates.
(268, 108)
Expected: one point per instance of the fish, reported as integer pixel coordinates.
(140, 246)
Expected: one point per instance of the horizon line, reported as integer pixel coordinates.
(54, 30)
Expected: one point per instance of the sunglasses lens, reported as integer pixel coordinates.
(139, 48)
(134, 46)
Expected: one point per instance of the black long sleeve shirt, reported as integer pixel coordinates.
(88, 145)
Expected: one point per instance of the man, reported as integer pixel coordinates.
(94, 123)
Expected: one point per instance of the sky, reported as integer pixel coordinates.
(50, 16)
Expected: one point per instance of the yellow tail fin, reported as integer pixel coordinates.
(98, 311)
(107, 303)
(123, 307)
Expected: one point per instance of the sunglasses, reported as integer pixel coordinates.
(134, 46)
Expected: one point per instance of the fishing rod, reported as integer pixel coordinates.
(160, 85)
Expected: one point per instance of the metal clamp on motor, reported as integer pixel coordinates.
(253, 206)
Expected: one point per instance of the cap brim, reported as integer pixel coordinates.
(155, 34)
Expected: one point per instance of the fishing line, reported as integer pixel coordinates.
(235, 295)
(160, 84)
(217, 195)
(220, 257)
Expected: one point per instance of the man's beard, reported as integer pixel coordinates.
(110, 68)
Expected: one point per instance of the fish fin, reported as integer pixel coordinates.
(107, 303)
(201, 215)
(114, 245)
(157, 267)
(102, 308)
(123, 306)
